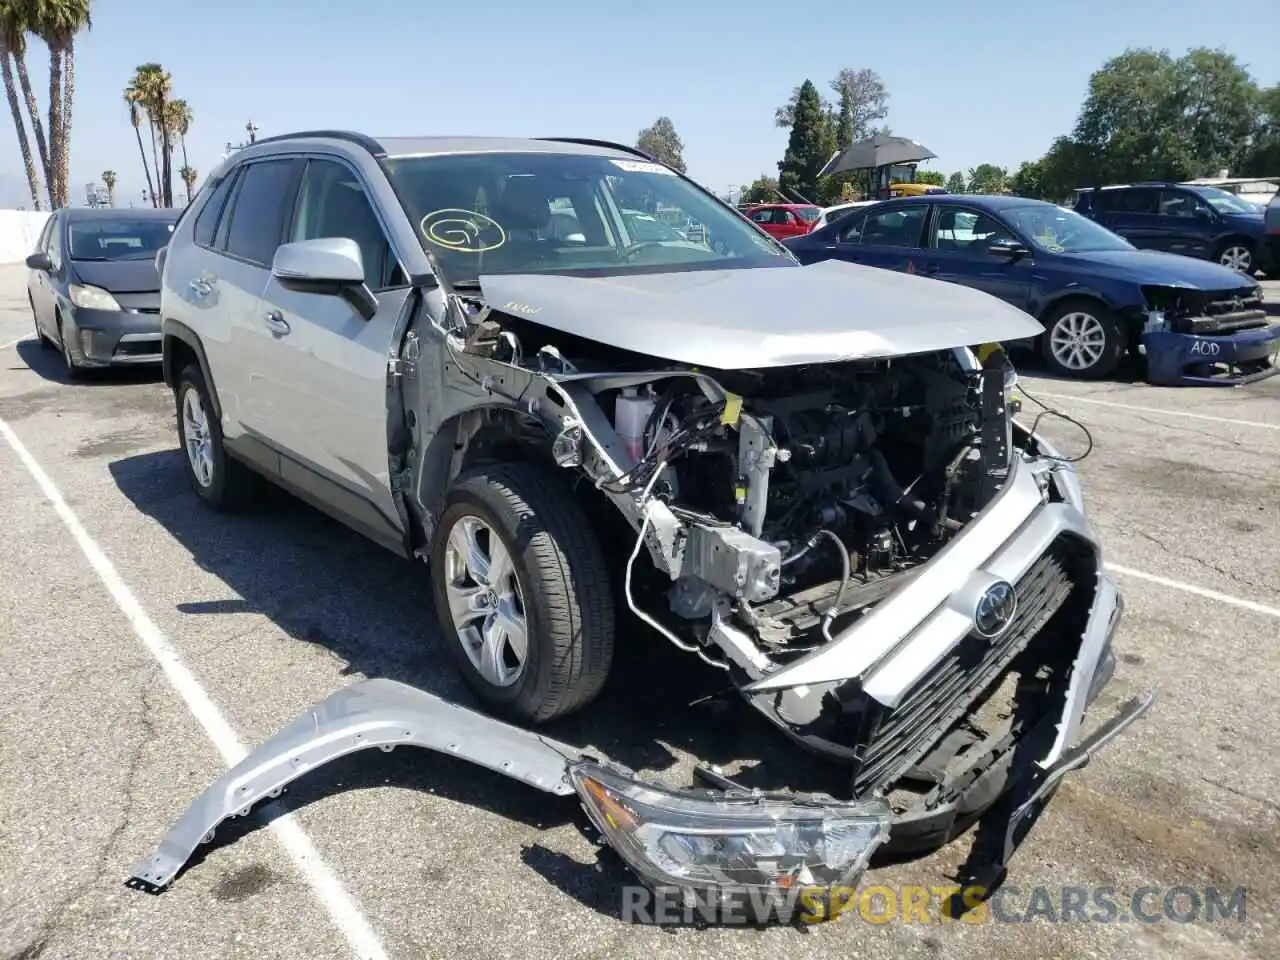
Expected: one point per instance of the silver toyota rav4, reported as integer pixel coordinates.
(802, 476)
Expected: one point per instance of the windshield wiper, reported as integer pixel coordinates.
(89, 259)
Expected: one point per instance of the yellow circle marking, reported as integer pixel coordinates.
(457, 229)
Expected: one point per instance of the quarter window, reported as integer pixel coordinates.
(262, 202)
(332, 203)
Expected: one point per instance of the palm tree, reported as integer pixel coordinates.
(179, 122)
(14, 25)
(154, 87)
(57, 22)
(6, 67)
(109, 180)
(133, 100)
(188, 175)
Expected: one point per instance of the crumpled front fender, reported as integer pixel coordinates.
(372, 713)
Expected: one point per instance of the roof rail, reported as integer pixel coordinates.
(359, 139)
(588, 142)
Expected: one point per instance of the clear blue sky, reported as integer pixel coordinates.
(990, 82)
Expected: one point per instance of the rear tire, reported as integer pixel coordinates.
(1082, 340)
(219, 480)
(1237, 254)
(533, 633)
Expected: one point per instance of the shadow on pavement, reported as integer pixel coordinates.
(325, 585)
(47, 362)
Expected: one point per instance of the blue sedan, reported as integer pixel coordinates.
(1097, 296)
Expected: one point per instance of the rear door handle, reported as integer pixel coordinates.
(275, 322)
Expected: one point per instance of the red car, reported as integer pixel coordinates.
(783, 220)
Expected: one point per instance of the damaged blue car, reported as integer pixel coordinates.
(1097, 296)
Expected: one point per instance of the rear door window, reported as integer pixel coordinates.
(263, 202)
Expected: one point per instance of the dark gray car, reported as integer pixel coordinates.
(94, 290)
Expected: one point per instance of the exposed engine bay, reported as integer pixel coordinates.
(773, 502)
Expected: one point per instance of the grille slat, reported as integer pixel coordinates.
(907, 732)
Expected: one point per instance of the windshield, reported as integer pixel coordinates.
(117, 239)
(577, 214)
(1056, 230)
(1224, 202)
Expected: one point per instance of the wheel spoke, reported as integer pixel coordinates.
(465, 543)
(493, 645)
(509, 617)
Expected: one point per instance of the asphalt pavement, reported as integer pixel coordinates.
(148, 642)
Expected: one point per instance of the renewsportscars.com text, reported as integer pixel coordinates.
(937, 904)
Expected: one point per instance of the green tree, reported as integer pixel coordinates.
(1027, 180)
(1260, 157)
(1067, 165)
(809, 146)
(58, 23)
(663, 143)
(956, 183)
(862, 99)
(1151, 116)
(109, 181)
(764, 189)
(988, 178)
(934, 177)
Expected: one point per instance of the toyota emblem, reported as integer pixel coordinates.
(995, 609)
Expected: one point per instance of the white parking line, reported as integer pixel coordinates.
(12, 343)
(342, 909)
(1167, 413)
(1251, 605)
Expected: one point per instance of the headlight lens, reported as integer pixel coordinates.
(92, 298)
(700, 842)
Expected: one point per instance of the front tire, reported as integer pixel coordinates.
(74, 370)
(1082, 340)
(222, 482)
(522, 593)
(35, 323)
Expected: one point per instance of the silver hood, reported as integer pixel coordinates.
(767, 317)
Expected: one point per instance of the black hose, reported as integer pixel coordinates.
(892, 492)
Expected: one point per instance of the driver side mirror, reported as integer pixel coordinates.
(326, 265)
(40, 261)
(1202, 213)
(1008, 248)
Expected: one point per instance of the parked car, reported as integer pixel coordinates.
(93, 288)
(831, 522)
(831, 214)
(783, 220)
(1196, 221)
(1096, 296)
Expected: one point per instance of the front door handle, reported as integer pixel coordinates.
(275, 322)
(201, 287)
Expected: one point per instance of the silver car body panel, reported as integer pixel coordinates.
(767, 317)
(372, 713)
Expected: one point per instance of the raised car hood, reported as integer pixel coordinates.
(768, 317)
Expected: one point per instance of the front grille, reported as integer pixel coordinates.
(1224, 312)
(905, 733)
(137, 348)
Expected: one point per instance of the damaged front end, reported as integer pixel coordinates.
(1220, 338)
(698, 840)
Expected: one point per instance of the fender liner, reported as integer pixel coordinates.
(371, 713)
(180, 331)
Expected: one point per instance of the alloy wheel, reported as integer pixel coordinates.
(1238, 257)
(1078, 340)
(485, 601)
(199, 443)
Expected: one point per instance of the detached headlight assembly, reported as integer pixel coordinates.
(704, 841)
(92, 298)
